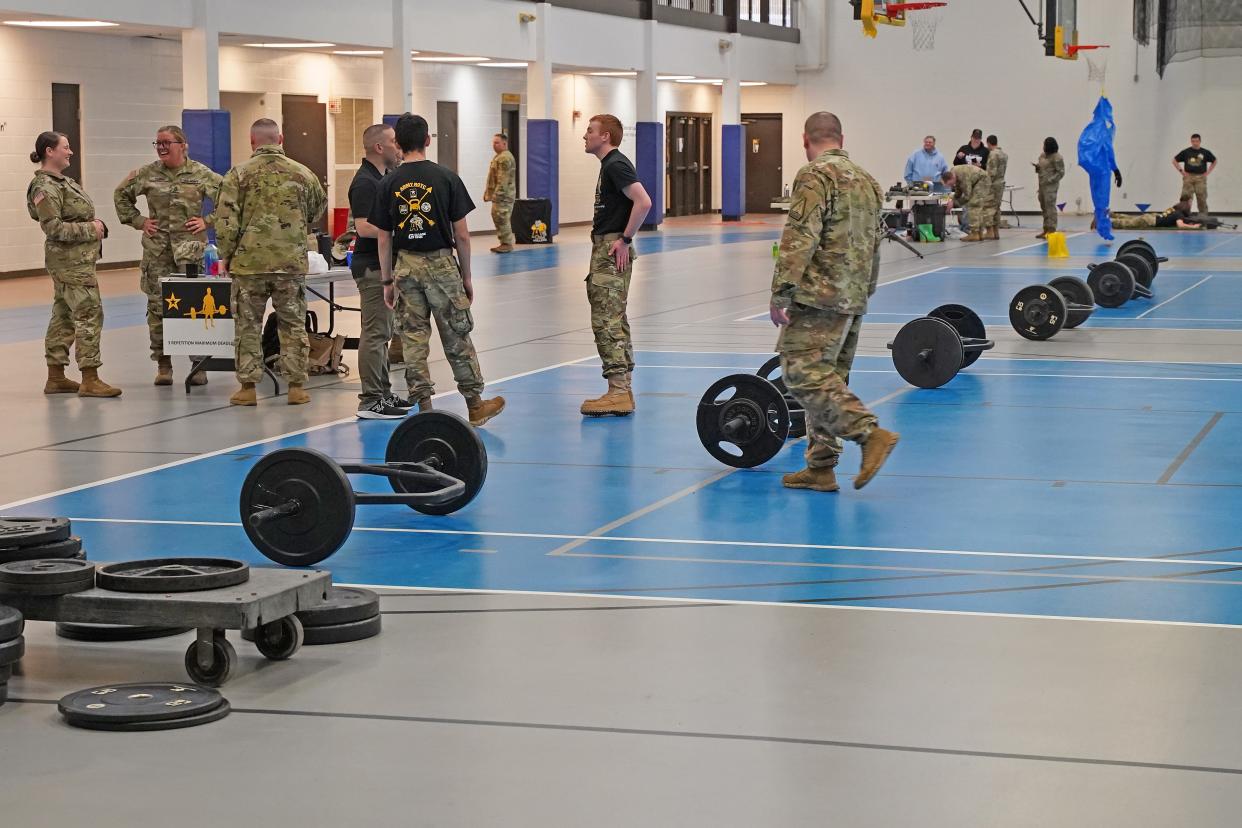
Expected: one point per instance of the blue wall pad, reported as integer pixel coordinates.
(543, 164)
(649, 150)
(732, 172)
(207, 130)
(391, 120)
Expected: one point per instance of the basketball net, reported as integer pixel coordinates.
(1097, 65)
(923, 24)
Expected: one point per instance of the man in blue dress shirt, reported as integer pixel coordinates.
(926, 164)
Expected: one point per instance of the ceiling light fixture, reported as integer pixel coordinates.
(447, 59)
(358, 52)
(703, 80)
(613, 74)
(289, 45)
(61, 24)
(753, 83)
(675, 77)
(505, 65)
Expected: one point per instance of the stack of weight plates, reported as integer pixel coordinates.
(143, 706)
(37, 538)
(12, 646)
(349, 614)
(58, 576)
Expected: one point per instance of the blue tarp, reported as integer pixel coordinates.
(1095, 155)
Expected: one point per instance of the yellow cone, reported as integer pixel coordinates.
(1057, 248)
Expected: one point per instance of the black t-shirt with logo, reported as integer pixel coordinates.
(1195, 161)
(362, 192)
(976, 156)
(418, 203)
(612, 205)
(1170, 217)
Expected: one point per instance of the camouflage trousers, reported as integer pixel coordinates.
(998, 202)
(153, 268)
(1195, 185)
(1125, 221)
(981, 210)
(1048, 206)
(502, 217)
(608, 289)
(430, 286)
(77, 316)
(817, 350)
(288, 295)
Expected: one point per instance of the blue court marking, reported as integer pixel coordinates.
(1024, 486)
(1171, 243)
(29, 322)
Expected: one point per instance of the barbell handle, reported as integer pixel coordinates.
(289, 507)
(731, 427)
(926, 353)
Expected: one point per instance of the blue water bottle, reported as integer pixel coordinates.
(211, 260)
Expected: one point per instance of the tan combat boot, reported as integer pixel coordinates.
(245, 395)
(616, 401)
(199, 379)
(503, 248)
(629, 387)
(93, 386)
(995, 234)
(424, 404)
(297, 395)
(1042, 235)
(874, 452)
(478, 409)
(57, 382)
(163, 371)
(820, 480)
(972, 236)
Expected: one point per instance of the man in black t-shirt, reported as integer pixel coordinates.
(621, 205)
(421, 212)
(1197, 164)
(376, 402)
(975, 154)
(1176, 216)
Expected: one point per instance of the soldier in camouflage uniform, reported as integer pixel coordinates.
(501, 191)
(972, 189)
(266, 205)
(74, 236)
(827, 267)
(175, 233)
(1049, 170)
(998, 163)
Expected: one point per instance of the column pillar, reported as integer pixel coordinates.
(398, 70)
(206, 125)
(542, 130)
(732, 141)
(649, 131)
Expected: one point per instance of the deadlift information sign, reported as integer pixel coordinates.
(198, 317)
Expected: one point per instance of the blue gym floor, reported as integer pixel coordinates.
(1059, 488)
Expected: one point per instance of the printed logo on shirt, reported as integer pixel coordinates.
(414, 199)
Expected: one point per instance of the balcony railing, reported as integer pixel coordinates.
(775, 19)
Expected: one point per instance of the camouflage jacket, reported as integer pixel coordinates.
(1050, 169)
(830, 249)
(501, 185)
(267, 204)
(67, 216)
(972, 182)
(174, 196)
(998, 165)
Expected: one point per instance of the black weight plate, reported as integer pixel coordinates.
(1139, 247)
(6, 673)
(967, 324)
(139, 702)
(1077, 293)
(325, 514)
(68, 548)
(1038, 312)
(114, 632)
(172, 575)
(771, 371)
(214, 715)
(745, 412)
(1141, 267)
(45, 573)
(4, 691)
(342, 633)
(446, 443)
(11, 623)
(344, 605)
(1112, 284)
(927, 352)
(797, 421)
(11, 651)
(32, 531)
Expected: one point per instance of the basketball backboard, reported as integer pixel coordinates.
(1061, 22)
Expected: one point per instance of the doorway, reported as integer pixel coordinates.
(67, 118)
(306, 135)
(689, 168)
(763, 162)
(511, 126)
(446, 134)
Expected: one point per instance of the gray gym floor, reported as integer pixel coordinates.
(526, 709)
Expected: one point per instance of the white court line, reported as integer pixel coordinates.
(701, 542)
(252, 443)
(1036, 244)
(735, 602)
(1174, 296)
(880, 285)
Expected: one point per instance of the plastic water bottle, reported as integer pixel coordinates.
(211, 260)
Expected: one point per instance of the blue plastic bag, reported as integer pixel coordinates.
(1095, 155)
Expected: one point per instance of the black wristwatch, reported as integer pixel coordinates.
(628, 241)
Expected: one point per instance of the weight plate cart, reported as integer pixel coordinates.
(265, 603)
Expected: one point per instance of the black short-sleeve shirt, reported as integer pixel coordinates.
(976, 156)
(1169, 217)
(1195, 161)
(418, 203)
(612, 205)
(362, 192)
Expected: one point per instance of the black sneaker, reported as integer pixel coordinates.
(380, 410)
(397, 402)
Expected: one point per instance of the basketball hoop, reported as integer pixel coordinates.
(1097, 60)
(922, 25)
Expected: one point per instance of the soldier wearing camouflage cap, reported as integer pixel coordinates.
(175, 233)
(74, 243)
(267, 204)
(827, 267)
